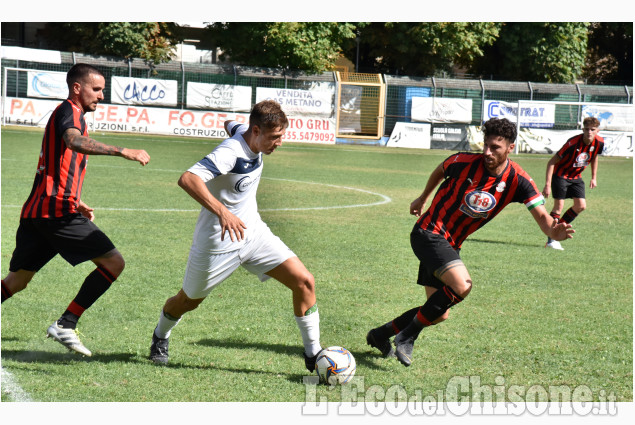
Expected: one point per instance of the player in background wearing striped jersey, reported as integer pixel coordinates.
(230, 233)
(54, 220)
(475, 187)
(564, 173)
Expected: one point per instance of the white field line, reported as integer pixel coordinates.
(11, 388)
(384, 199)
(285, 146)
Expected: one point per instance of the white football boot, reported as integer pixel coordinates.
(69, 338)
(551, 243)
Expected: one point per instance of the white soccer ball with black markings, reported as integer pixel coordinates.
(335, 365)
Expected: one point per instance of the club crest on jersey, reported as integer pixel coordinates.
(500, 187)
(582, 160)
(243, 184)
(477, 204)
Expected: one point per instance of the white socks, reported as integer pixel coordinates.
(310, 330)
(165, 325)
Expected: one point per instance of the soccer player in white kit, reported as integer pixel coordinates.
(230, 233)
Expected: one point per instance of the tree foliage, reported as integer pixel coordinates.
(561, 52)
(152, 41)
(308, 46)
(423, 49)
(610, 52)
(537, 51)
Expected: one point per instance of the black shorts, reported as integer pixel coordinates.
(433, 252)
(74, 237)
(562, 188)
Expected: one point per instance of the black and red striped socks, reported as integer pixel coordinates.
(422, 316)
(393, 327)
(569, 215)
(95, 285)
(434, 307)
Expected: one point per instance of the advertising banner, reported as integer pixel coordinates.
(410, 135)
(310, 130)
(175, 122)
(221, 97)
(441, 110)
(30, 112)
(450, 136)
(316, 103)
(617, 143)
(143, 91)
(550, 141)
(536, 115)
(47, 84)
(611, 117)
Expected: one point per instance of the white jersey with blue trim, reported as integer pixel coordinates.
(231, 173)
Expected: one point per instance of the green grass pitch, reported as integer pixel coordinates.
(534, 316)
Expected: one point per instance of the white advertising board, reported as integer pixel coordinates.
(611, 117)
(47, 84)
(410, 135)
(537, 140)
(176, 122)
(223, 97)
(441, 110)
(143, 91)
(535, 115)
(316, 103)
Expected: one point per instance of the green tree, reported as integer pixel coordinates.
(610, 52)
(308, 46)
(537, 51)
(151, 41)
(422, 49)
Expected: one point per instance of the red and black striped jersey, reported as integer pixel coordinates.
(575, 155)
(469, 196)
(60, 171)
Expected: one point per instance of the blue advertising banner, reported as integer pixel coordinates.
(536, 115)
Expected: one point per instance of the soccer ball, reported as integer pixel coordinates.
(335, 365)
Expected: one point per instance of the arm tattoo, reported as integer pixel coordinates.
(87, 145)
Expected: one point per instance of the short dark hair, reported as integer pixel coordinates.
(592, 121)
(79, 72)
(268, 114)
(500, 127)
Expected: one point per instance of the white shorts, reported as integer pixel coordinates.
(262, 252)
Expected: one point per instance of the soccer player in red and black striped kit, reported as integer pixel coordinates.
(475, 187)
(564, 173)
(54, 220)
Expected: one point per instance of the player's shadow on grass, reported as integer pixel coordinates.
(39, 356)
(10, 338)
(364, 359)
(513, 243)
(291, 377)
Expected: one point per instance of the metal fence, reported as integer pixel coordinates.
(402, 89)
(399, 89)
(182, 72)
